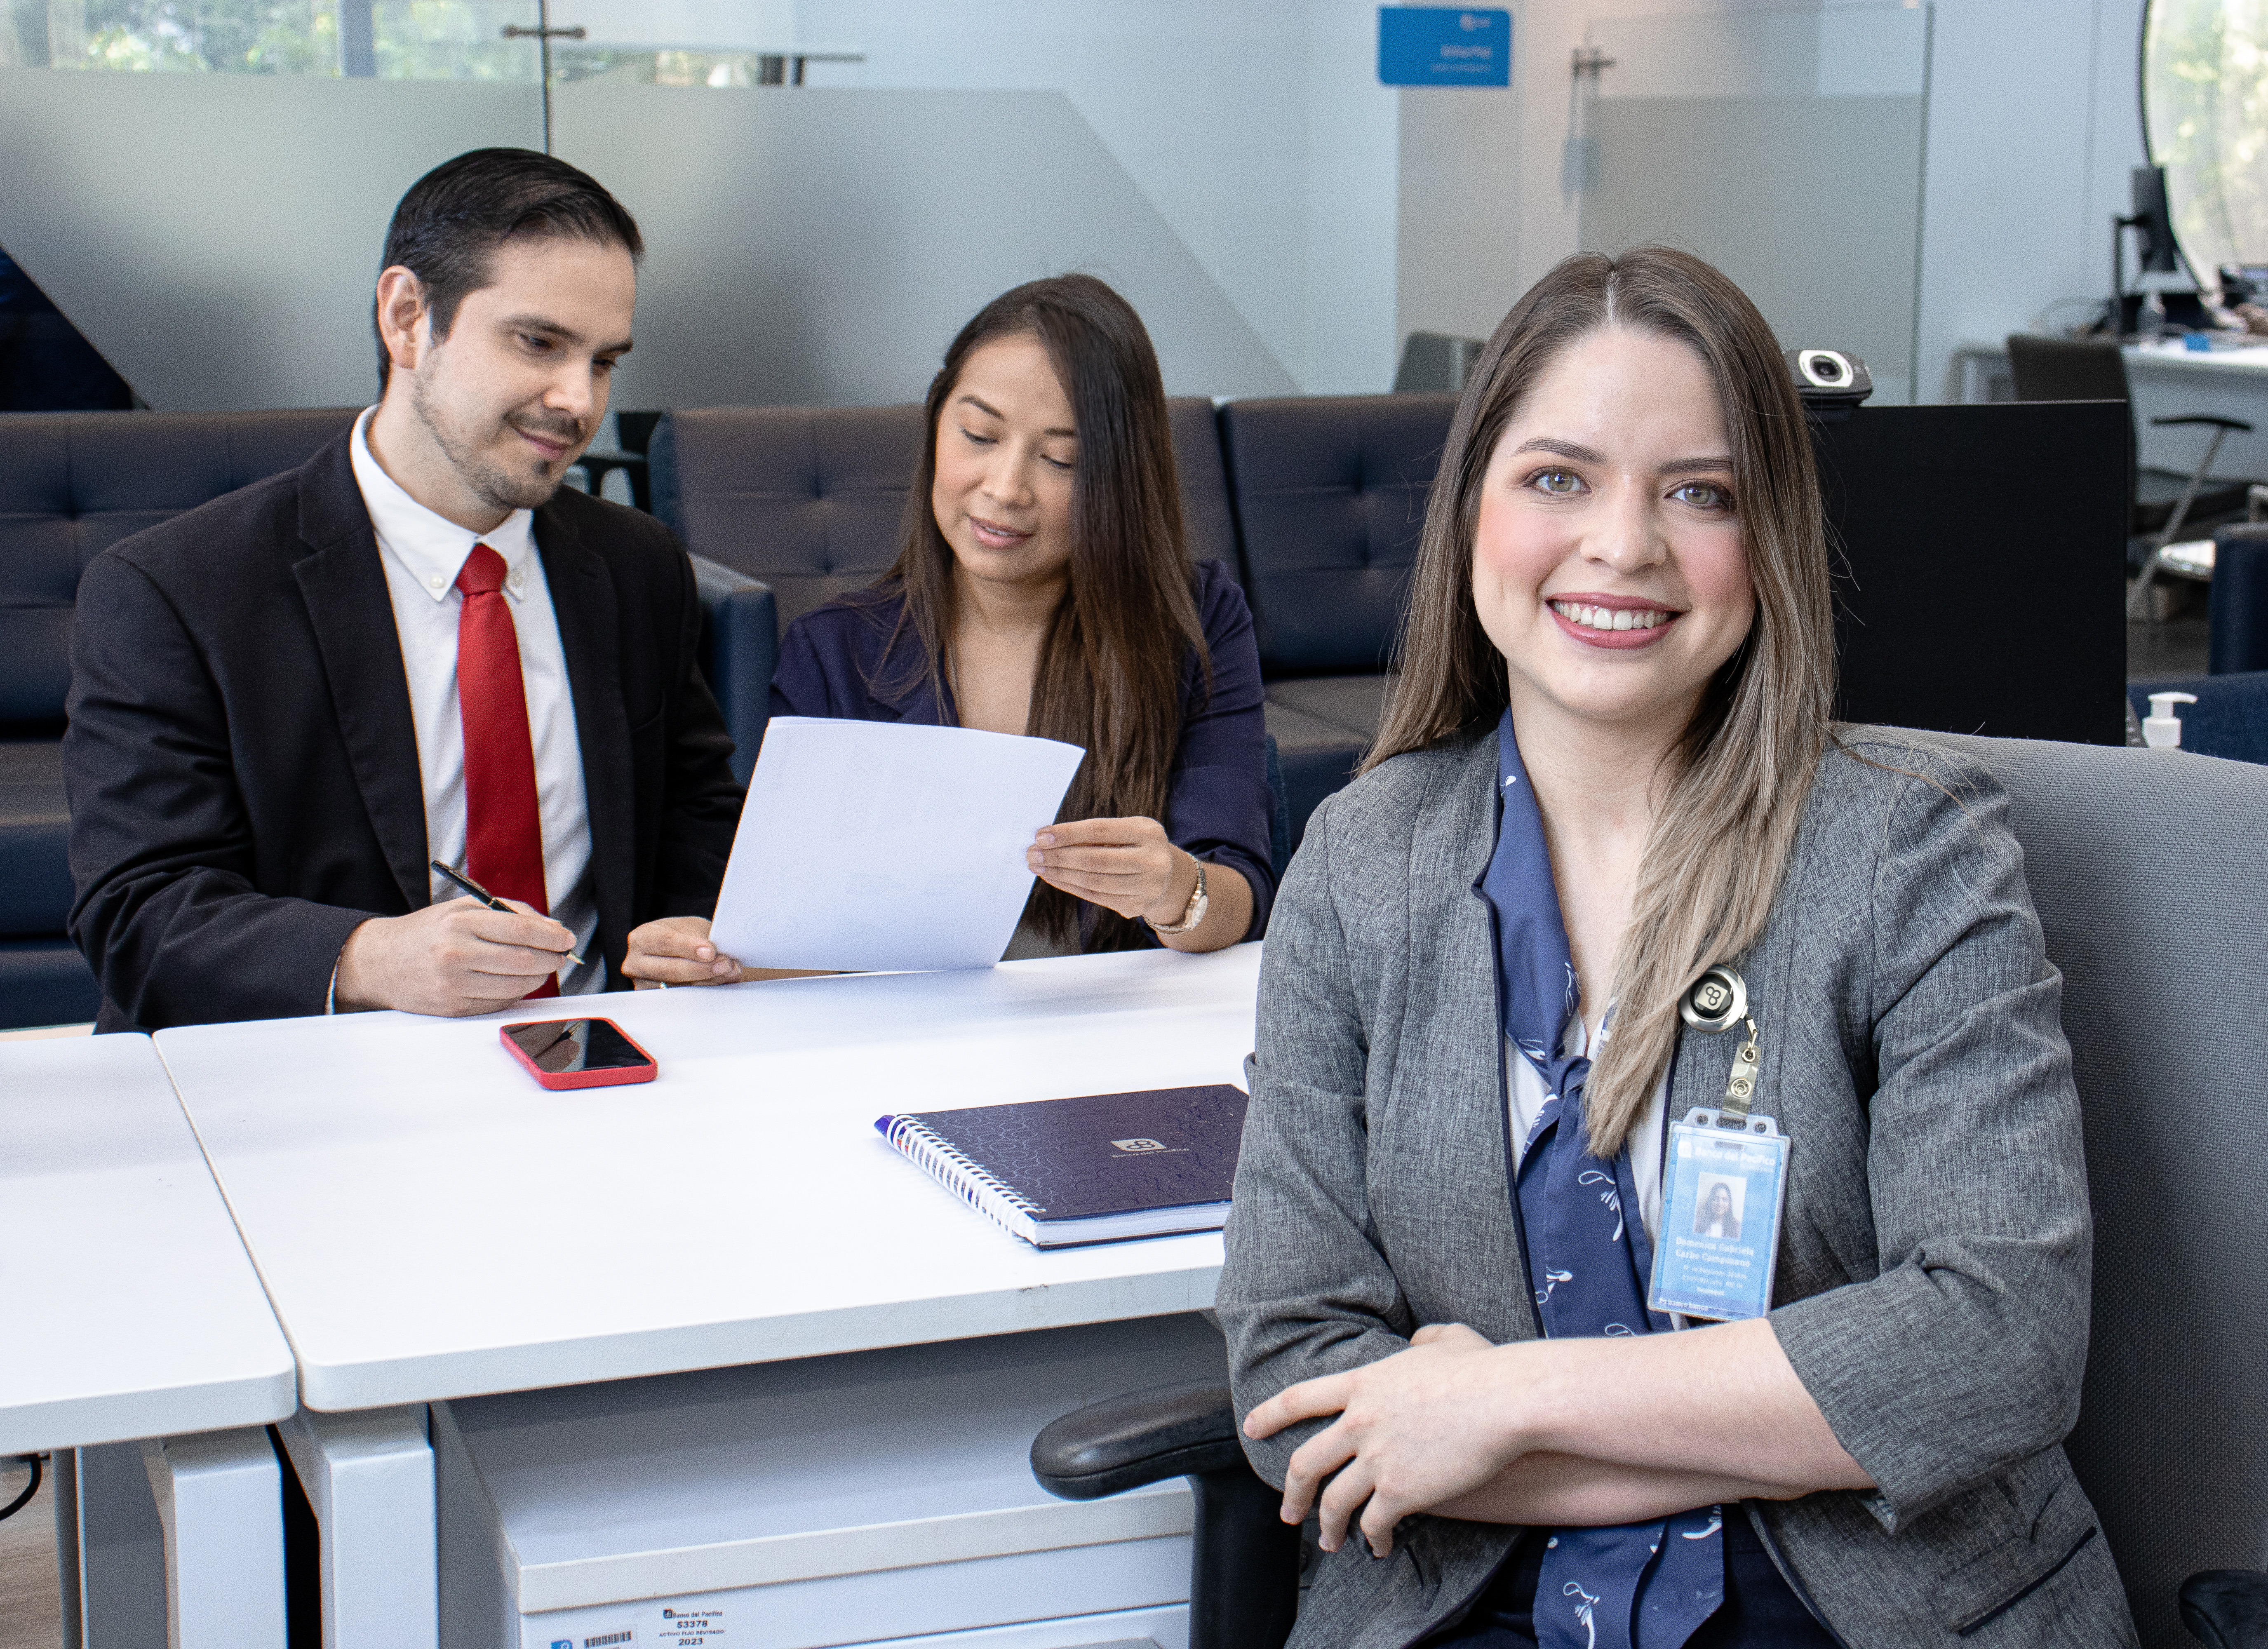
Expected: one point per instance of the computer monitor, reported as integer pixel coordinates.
(1981, 566)
(2159, 250)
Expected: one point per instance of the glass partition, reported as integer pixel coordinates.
(1785, 147)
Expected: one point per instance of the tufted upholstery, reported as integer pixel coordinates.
(72, 484)
(811, 499)
(1330, 496)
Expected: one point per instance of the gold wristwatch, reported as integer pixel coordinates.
(1191, 917)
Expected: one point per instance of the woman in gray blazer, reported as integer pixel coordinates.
(1607, 798)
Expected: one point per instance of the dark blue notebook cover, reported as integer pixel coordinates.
(1101, 1153)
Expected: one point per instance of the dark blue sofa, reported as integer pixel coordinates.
(1330, 496)
(811, 500)
(72, 484)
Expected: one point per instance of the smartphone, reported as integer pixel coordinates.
(578, 1053)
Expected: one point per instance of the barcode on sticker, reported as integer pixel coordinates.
(610, 1639)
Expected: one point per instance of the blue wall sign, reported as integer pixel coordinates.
(1443, 46)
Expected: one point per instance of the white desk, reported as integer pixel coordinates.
(2168, 382)
(430, 1224)
(138, 1315)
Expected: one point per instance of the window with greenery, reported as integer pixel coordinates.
(408, 39)
(2205, 111)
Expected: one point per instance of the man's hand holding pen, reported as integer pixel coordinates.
(456, 958)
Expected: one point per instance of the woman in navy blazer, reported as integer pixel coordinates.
(1044, 588)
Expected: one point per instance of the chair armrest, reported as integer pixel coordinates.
(1122, 1443)
(739, 649)
(2205, 418)
(2226, 1609)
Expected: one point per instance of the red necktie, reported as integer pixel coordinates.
(504, 828)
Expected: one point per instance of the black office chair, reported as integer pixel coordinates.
(2160, 1001)
(1244, 1561)
(635, 432)
(2160, 502)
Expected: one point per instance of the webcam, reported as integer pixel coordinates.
(1830, 382)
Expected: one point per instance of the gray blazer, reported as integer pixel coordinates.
(1932, 1284)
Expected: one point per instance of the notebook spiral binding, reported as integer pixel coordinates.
(961, 1175)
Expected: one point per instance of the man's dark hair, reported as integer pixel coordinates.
(446, 230)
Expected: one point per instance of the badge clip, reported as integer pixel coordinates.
(1724, 1181)
(1718, 1001)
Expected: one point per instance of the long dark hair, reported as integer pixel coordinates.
(1724, 829)
(1111, 670)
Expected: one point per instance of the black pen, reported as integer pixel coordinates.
(488, 898)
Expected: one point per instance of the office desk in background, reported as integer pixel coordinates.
(142, 1353)
(430, 1224)
(2168, 382)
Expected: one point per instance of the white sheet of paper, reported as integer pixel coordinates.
(874, 845)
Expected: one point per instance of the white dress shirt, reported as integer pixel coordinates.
(1524, 1090)
(421, 553)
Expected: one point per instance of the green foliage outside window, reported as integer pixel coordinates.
(2204, 100)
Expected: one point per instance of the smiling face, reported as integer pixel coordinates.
(1720, 1200)
(1607, 563)
(1006, 447)
(514, 392)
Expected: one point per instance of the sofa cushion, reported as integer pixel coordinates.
(1316, 758)
(73, 483)
(1329, 494)
(45, 982)
(811, 499)
(35, 882)
(1354, 702)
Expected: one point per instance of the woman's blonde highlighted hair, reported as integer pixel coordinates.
(1734, 785)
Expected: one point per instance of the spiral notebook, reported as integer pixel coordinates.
(1097, 1167)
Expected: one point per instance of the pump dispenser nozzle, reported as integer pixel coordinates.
(2162, 729)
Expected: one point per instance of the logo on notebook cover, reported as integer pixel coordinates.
(1139, 1144)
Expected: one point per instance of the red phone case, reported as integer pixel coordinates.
(557, 1080)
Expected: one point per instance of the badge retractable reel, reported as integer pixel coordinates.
(1724, 1181)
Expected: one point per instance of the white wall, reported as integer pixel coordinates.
(2033, 125)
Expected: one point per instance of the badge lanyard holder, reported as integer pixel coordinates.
(1724, 1181)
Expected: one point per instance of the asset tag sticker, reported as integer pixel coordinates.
(691, 1628)
(1723, 1190)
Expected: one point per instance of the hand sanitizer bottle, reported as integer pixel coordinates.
(2162, 729)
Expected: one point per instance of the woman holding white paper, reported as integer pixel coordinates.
(1044, 588)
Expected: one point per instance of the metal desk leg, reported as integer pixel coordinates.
(220, 1502)
(63, 1473)
(121, 1552)
(368, 1477)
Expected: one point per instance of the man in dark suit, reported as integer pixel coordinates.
(416, 646)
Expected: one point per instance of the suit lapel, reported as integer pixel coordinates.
(583, 601)
(1469, 976)
(343, 584)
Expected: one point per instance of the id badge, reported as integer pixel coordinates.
(1723, 1190)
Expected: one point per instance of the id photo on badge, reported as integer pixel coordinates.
(1718, 1214)
(1721, 1224)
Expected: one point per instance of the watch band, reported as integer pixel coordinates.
(1193, 915)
